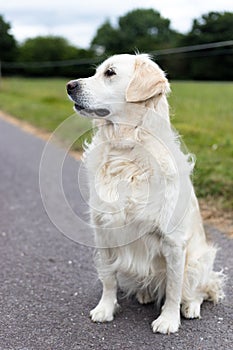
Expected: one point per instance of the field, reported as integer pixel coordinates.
(202, 112)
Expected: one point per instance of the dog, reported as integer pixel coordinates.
(143, 209)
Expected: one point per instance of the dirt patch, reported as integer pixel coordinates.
(211, 213)
(25, 126)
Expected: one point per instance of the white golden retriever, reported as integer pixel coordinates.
(148, 230)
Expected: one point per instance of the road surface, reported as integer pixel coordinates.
(49, 284)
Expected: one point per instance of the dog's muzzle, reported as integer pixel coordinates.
(74, 89)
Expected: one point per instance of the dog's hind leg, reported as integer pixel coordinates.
(192, 309)
(144, 296)
(201, 282)
(211, 291)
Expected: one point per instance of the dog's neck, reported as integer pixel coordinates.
(136, 121)
(119, 135)
(160, 105)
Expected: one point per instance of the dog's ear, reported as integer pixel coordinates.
(148, 81)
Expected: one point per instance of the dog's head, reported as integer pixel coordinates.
(118, 81)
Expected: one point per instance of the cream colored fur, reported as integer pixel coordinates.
(144, 211)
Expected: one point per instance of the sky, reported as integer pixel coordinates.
(78, 20)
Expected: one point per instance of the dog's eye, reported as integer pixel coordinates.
(109, 72)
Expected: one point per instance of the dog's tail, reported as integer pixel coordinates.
(200, 279)
(214, 289)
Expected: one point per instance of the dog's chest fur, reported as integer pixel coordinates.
(131, 180)
(122, 184)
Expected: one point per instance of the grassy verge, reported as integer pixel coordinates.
(202, 113)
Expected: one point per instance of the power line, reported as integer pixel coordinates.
(89, 61)
(193, 54)
(45, 64)
(199, 47)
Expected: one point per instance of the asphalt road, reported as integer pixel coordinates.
(48, 283)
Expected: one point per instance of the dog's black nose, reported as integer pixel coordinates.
(73, 84)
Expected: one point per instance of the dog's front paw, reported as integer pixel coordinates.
(166, 324)
(103, 312)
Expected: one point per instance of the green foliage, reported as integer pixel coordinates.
(107, 39)
(145, 30)
(8, 47)
(141, 29)
(51, 49)
(214, 64)
(213, 26)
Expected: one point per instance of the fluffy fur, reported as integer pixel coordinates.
(144, 211)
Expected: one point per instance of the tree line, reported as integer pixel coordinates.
(143, 30)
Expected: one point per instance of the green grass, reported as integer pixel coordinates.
(41, 102)
(201, 112)
(44, 104)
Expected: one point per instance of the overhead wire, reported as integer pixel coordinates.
(187, 50)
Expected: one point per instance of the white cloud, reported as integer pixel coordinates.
(78, 20)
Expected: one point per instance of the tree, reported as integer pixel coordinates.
(8, 47)
(214, 64)
(107, 39)
(48, 48)
(211, 27)
(44, 52)
(142, 29)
